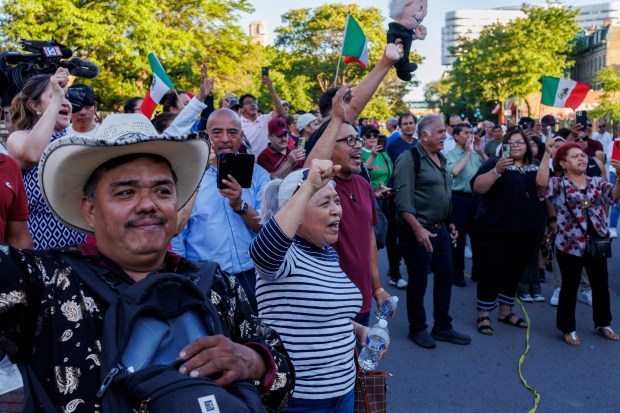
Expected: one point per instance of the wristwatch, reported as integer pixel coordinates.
(243, 209)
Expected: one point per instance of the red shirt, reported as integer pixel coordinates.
(13, 201)
(272, 160)
(358, 216)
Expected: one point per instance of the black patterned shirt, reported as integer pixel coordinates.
(49, 319)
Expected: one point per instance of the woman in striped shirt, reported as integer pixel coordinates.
(301, 291)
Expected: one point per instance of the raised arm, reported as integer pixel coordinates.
(542, 176)
(277, 103)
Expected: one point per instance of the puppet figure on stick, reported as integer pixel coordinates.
(407, 16)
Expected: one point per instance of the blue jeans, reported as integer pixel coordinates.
(614, 213)
(342, 404)
(419, 262)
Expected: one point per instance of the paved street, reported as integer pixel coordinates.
(484, 377)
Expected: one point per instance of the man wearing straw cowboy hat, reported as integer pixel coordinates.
(125, 186)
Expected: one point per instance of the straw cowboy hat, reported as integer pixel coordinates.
(68, 162)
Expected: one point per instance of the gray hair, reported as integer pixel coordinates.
(425, 124)
(279, 191)
(397, 7)
(393, 122)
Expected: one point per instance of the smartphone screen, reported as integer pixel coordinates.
(505, 151)
(301, 143)
(265, 70)
(239, 165)
(582, 118)
(615, 153)
(381, 141)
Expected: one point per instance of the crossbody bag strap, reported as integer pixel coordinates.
(570, 210)
(359, 377)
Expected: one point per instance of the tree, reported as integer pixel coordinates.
(119, 34)
(510, 60)
(307, 51)
(609, 103)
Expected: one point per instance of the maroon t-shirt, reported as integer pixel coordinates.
(271, 160)
(593, 146)
(358, 216)
(13, 200)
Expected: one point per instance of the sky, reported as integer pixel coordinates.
(431, 69)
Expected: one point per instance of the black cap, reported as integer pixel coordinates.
(369, 129)
(79, 96)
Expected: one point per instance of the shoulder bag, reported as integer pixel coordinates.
(370, 390)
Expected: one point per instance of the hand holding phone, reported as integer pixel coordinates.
(238, 165)
(381, 142)
(505, 150)
(393, 190)
(301, 143)
(265, 71)
(582, 118)
(615, 153)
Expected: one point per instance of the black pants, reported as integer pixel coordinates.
(391, 242)
(502, 259)
(570, 268)
(418, 262)
(464, 209)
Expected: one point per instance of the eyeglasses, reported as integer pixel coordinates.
(580, 139)
(371, 135)
(516, 143)
(249, 102)
(304, 176)
(351, 140)
(602, 126)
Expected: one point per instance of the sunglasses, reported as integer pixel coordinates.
(304, 176)
(372, 135)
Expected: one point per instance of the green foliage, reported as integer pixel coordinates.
(119, 34)
(307, 50)
(609, 103)
(510, 60)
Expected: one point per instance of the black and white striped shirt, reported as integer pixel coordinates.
(303, 294)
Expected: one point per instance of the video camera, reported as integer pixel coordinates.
(45, 57)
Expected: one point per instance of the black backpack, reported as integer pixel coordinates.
(145, 327)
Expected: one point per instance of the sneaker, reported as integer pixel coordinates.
(526, 298)
(613, 232)
(538, 298)
(555, 298)
(585, 297)
(400, 283)
(468, 253)
(423, 339)
(451, 336)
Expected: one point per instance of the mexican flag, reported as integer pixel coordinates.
(563, 93)
(355, 44)
(159, 86)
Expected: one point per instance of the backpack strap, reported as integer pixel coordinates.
(36, 399)
(203, 278)
(417, 163)
(99, 280)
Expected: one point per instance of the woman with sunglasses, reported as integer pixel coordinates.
(303, 293)
(579, 201)
(509, 217)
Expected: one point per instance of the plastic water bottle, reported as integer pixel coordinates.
(387, 308)
(376, 341)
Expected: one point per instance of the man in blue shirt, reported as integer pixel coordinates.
(224, 222)
(407, 124)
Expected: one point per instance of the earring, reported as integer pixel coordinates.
(38, 113)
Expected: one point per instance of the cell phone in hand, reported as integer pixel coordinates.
(582, 118)
(301, 143)
(381, 140)
(265, 70)
(391, 190)
(615, 153)
(505, 150)
(238, 165)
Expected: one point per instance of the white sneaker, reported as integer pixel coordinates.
(585, 297)
(613, 232)
(538, 298)
(526, 298)
(555, 298)
(401, 283)
(468, 253)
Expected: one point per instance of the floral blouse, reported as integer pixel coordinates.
(570, 239)
(48, 319)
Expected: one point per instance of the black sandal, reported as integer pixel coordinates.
(519, 323)
(486, 330)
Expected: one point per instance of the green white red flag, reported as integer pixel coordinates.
(563, 93)
(159, 86)
(355, 43)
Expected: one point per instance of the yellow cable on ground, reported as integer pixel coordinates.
(522, 359)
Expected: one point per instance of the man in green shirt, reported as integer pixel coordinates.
(426, 233)
(462, 163)
(497, 133)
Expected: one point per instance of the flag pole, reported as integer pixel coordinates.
(337, 70)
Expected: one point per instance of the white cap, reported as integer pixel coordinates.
(382, 323)
(395, 298)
